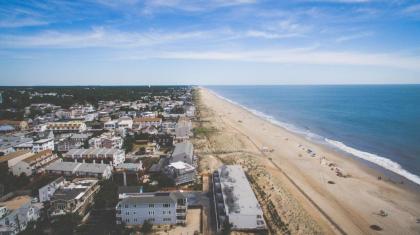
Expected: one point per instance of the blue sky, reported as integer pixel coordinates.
(132, 42)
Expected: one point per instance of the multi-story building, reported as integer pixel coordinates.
(157, 208)
(181, 172)
(43, 144)
(106, 140)
(99, 155)
(76, 169)
(46, 192)
(34, 164)
(234, 200)
(18, 125)
(183, 152)
(125, 122)
(66, 127)
(13, 158)
(142, 122)
(16, 213)
(74, 197)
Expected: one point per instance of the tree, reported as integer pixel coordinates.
(65, 224)
(227, 227)
(146, 227)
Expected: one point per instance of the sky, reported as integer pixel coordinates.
(209, 42)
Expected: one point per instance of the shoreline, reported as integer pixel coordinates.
(372, 161)
(354, 200)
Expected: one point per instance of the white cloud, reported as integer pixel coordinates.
(353, 36)
(300, 56)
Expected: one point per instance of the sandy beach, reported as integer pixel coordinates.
(303, 187)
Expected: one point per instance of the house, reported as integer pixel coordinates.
(9, 143)
(106, 140)
(183, 129)
(66, 144)
(157, 208)
(18, 125)
(234, 200)
(34, 164)
(99, 155)
(181, 172)
(183, 152)
(66, 127)
(111, 125)
(142, 122)
(16, 213)
(151, 130)
(76, 169)
(74, 197)
(46, 192)
(125, 122)
(43, 144)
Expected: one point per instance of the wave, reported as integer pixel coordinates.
(378, 160)
(370, 157)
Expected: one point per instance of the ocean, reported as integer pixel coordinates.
(377, 123)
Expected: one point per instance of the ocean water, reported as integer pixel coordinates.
(377, 123)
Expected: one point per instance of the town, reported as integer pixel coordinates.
(114, 160)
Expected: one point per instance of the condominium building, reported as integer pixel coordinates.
(100, 171)
(157, 208)
(66, 127)
(43, 144)
(234, 200)
(74, 197)
(34, 164)
(181, 172)
(46, 192)
(99, 155)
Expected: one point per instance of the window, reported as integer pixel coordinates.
(164, 212)
(127, 220)
(135, 220)
(127, 213)
(166, 219)
(151, 205)
(126, 205)
(152, 219)
(166, 205)
(151, 213)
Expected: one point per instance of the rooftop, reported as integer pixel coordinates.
(13, 155)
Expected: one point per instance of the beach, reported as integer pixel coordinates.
(312, 189)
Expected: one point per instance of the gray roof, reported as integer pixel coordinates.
(11, 141)
(78, 167)
(157, 197)
(183, 152)
(92, 168)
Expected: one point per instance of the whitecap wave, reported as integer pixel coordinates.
(378, 160)
(373, 158)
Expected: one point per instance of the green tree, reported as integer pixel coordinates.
(146, 227)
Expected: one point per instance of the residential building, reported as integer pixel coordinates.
(34, 164)
(18, 125)
(142, 122)
(111, 125)
(183, 152)
(99, 155)
(157, 208)
(16, 213)
(46, 192)
(234, 200)
(106, 140)
(74, 197)
(9, 143)
(67, 127)
(13, 158)
(76, 169)
(43, 144)
(125, 122)
(181, 172)
(164, 140)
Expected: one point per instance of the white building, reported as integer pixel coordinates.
(46, 192)
(34, 164)
(183, 152)
(235, 201)
(111, 125)
(16, 213)
(157, 208)
(99, 155)
(43, 144)
(106, 140)
(100, 171)
(181, 172)
(125, 123)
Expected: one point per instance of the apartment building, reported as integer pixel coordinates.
(99, 155)
(74, 197)
(181, 172)
(43, 144)
(73, 169)
(46, 192)
(66, 127)
(34, 164)
(158, 208)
